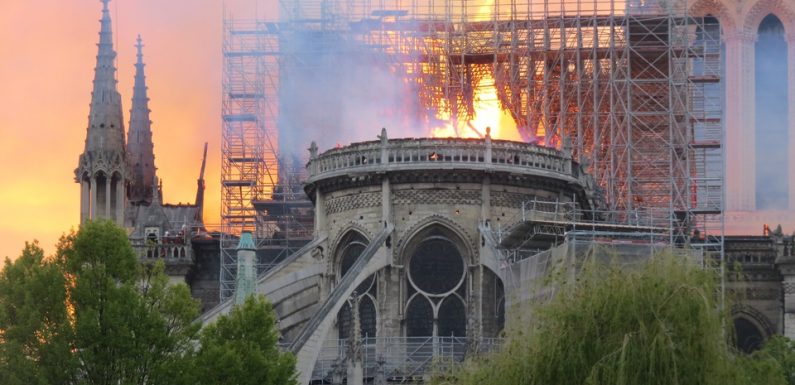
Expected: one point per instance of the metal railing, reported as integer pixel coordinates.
(401, 359)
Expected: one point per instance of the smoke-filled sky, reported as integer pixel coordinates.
(48, 57)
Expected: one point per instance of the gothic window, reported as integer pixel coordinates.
(748, 337)
(419, 317)
(350, 249)
(771, 76)
(367, 315)
(344, 321)
(436, 285)
(436, 267)
(452, 318)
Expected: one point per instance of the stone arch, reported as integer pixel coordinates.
(366, 317)
(351, 226)
(716, 9)
(419, 316)
(452, 317)
(413, 234)
(346, 253)
(752, 328)
(760, 10)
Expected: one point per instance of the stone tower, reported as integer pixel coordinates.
(102, 170)
(140, 150)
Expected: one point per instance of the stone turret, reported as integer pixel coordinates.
(140, 149)
(102, 170)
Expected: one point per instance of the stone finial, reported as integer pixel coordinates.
(313, 150)
(567, 147)
(488, 131)
(383, 136)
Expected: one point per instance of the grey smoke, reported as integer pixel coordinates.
(335, 91)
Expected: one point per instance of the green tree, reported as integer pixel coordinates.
(35, 335)
(781, 349)
(655, 324)
(130, 325)
(241, 348)
(92, 314)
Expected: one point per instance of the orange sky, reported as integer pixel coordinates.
(48, 56)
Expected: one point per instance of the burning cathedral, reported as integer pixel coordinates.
(520, 135)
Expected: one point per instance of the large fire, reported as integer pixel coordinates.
(488, 114)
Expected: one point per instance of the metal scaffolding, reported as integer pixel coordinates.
(633, 87)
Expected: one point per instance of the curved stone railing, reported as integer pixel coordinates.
(451, 153)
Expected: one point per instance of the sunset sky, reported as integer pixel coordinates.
(48, 57)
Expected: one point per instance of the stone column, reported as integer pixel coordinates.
(85, 200)
(386, 201)
(320, 213)
(107, 198)
(120, 202)
(485, 200)
(740, 144)
(94, 188)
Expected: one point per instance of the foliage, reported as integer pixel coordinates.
(782, 350)
(93, 314)
(241, 348)
(655, 324)
(34, 331)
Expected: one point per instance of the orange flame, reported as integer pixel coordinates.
(488, 114)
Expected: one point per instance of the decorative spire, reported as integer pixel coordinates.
(140, 149)
(200, 189)
(246, 279)
(105, 122)
(104, 158)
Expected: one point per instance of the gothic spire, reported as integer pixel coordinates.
(102, 170)
(140, 149)
(105, 122)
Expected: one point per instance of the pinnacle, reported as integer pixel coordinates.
(140, 47)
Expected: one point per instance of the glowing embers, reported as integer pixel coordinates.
(487, 114)
(436, 267)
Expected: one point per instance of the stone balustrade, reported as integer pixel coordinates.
(433, 153)
(169, 250)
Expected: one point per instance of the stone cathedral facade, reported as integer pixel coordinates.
(758, 53)
(118, 180)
